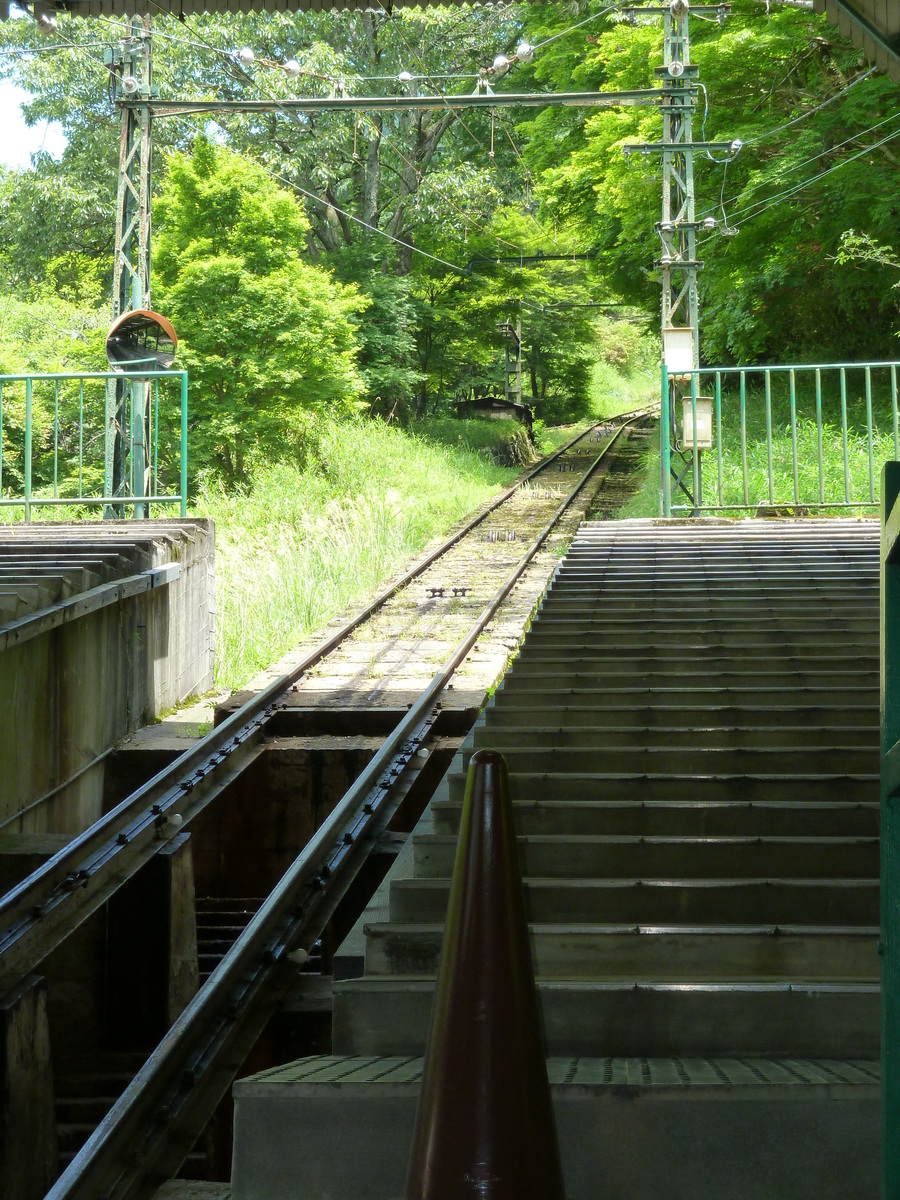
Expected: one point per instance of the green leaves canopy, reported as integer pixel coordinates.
(267, 339)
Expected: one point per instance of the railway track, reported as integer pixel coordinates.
(153, 1125)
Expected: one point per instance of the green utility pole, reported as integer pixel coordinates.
(130, 64)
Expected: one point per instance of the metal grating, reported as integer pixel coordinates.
(594, 1072)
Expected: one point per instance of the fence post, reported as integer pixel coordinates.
(28, 443)
(184, 440)
(665, 449)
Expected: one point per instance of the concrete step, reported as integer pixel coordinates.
(621, 856)
(748, 788)
(653, 818)
(620, 695)
(390, 1015)
(506, 709)
(668, 901)
(682, 629)
(581, 585)
(661, 605)
(671, 954)
(512, 737)
(748, 1122)
(668, 659)
(689, 759)
(578, 669)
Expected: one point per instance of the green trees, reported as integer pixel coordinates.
(267, 338)
(784, 82)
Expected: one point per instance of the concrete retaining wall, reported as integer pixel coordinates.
(69, 693)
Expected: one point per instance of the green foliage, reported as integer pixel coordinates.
(300, 544)
(771, 291)
(266, 338)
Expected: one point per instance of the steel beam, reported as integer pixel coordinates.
(311, 104)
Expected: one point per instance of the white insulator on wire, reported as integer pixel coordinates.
(292, 67)
(47, 23)
(500, 64)
(525, 52)
(246, 56)
(405, 76)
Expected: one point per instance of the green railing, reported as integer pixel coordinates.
(800, 437)
(889, 943)
(98, 439)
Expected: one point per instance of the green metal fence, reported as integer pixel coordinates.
(98, 439)
(804, 437)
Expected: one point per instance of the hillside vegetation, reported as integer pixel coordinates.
(340, 281)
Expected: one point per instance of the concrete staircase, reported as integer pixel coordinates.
(692, 735)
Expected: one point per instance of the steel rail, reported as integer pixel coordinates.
(152, 1127)
(37, 914)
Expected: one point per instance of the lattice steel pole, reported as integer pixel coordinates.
(678, 264)
(131, 65)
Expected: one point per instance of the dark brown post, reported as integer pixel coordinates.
(485, 1127)
(152, 970)
(28, 1153)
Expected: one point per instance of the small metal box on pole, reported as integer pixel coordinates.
(678, 351)
(704, 422)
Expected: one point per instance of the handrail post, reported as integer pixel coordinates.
(665, 447)
(28, 445)
(889, 943)
(184, 439)
(485, 1126)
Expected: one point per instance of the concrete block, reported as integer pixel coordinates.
(683, 1129)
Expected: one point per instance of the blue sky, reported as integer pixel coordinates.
(17, 141)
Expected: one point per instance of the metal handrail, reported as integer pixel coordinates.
(734, 443)
(29, 500)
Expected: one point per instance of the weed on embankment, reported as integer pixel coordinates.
(299, 545)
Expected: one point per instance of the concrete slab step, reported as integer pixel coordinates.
(709, 820)
(577, 669)
(666, 658)
(647, 819)
(391, 1015)
(625, 1121)
(506, 710)
(663, 606)
(727, 635)
(594, 856)
(684, 759)
(668, 901)
(516, 737)
(534, 785)
(673, 954)
(620, 695)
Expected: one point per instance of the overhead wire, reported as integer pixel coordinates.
(789, 168)
(809, 112)
(759, 207)
(343, 212)
(470, 218)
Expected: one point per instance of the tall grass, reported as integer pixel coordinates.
(302, 543)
